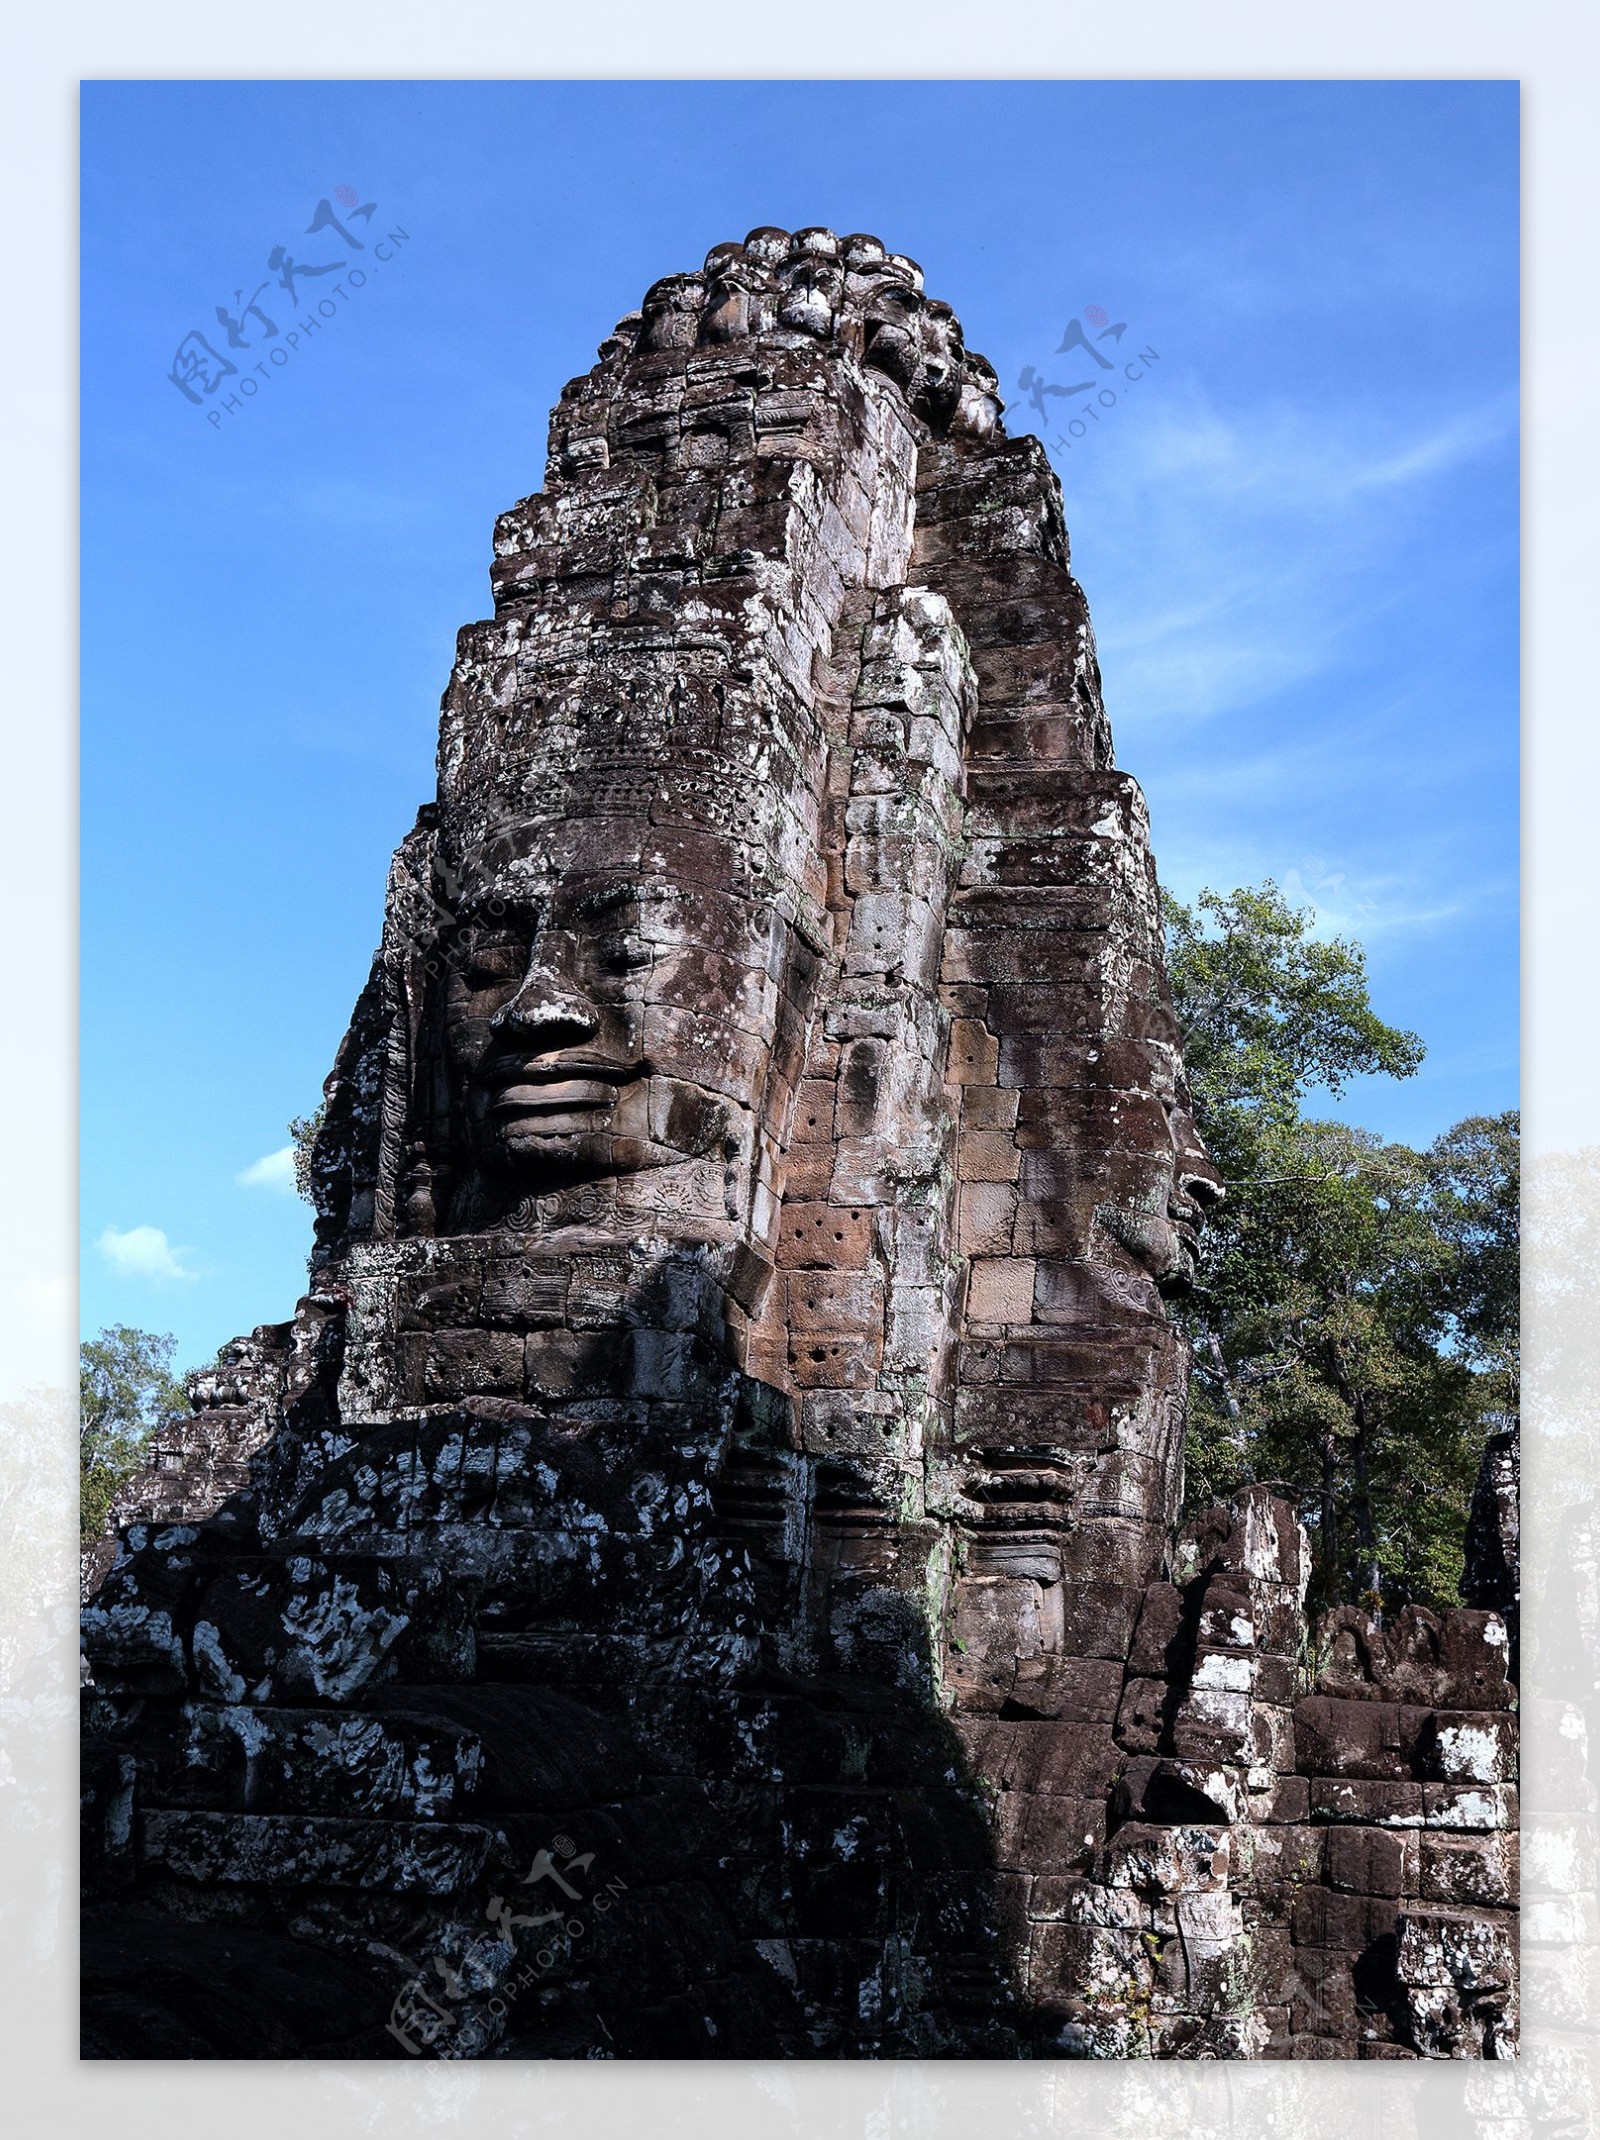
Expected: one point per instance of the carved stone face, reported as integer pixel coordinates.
(893, 329)
(601, 1025)
(1195, 1189)
(544, 1012)
(1172, 1185)
(812, 293)
(733, 303)
(977, 410)
(670, 315)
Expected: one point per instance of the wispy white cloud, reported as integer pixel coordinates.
(1355, 891)
(1229, 560)
(1367, 908)
(144, 1252)
(275, 1171)
(1291, 464)
(1476, 432)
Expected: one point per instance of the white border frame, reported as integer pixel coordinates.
(1552, 48)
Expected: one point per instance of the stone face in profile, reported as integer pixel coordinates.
(737, 1423)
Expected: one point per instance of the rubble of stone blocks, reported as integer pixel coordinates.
(708, 1579)
(194, 1463)
(1310, 1849)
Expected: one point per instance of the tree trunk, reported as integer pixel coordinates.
(1225, 1380)
(1366, 1529)
(1329, 1521)
(1366, 1571)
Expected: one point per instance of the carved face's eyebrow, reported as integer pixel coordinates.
(514, 916)
(604, 901)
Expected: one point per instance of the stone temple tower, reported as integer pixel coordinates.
(709, 1581)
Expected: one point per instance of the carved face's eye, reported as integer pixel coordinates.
(622, 951)
(493, 958)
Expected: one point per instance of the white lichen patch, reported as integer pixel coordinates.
(1468, 1753)
(217, 1675)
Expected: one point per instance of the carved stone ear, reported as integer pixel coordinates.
(418, 1200)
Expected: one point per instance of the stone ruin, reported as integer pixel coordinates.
(709, 1582)
(191, 1465)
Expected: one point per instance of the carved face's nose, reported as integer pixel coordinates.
(1205, 1189)
(545, 1014)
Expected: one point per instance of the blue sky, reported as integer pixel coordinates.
(1297, 532)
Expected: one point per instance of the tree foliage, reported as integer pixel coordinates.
(303, 1130)
(1355, 1326)
(1268, 1013)
(126, 1390)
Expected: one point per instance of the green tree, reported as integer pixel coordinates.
(1354, 1329)
(1339, 1368)
(1268, 1013)
(1477, 1207)
(303, 1131)
(126, 1390)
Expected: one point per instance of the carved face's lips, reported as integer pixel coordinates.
(562, 1097)
(1186, 1220)
(557, 1099)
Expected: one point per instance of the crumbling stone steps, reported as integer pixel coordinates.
(158, 1986)
(296, 1850)
(262, 1759)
